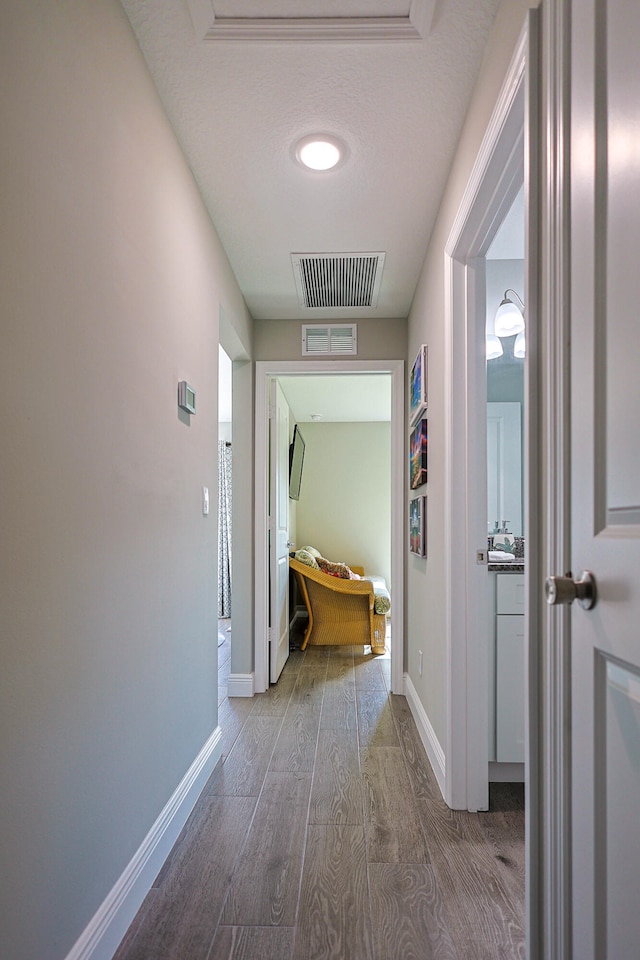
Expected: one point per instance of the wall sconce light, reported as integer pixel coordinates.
(509, 318)
(519, 347)
(493, 344)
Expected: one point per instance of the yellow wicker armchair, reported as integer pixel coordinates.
(341, 612)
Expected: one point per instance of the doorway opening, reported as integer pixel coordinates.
(505, 344)
(340, 482)
(295, 379)
(495, 182)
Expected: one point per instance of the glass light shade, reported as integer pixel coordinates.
(519, 347)
(493, 346)
(508, 319)
(320, 151)
(319, 155)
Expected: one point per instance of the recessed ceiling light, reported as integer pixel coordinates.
(320, 151)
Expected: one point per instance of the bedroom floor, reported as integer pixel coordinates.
(322, 834)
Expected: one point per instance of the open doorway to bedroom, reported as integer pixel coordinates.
(224, 521)
(337, 483)
(340, 489)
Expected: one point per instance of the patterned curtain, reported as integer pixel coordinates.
(224, 529)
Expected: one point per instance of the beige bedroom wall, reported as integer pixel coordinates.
(113, 280)
(345, 500)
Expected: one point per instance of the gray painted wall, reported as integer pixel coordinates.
(425, 620)
(112, 279)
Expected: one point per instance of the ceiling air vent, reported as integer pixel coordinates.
(336, 339)
(337, 279)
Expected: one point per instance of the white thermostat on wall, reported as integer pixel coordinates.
(186, 397)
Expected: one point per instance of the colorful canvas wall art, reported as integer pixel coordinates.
(418, 385)
(418, 454)
(417, 526)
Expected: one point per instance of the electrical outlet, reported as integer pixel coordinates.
(481, 556)
(420, 662)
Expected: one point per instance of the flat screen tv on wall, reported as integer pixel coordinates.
(296, 459)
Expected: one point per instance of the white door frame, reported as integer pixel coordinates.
(494, 182)
(548, 798)
(265, 371)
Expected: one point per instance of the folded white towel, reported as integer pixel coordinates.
(500, 556)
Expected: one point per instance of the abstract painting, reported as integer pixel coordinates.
(418, 454)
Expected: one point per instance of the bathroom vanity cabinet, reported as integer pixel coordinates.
(508, 675)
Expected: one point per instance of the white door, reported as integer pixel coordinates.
(605, 470)
(278, 532)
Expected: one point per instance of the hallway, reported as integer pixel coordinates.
(322, 834)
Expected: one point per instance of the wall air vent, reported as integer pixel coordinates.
(337, 279)
(336, 339)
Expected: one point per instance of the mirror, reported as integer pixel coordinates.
(504, 466)
(505, 379)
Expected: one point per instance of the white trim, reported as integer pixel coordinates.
(240, 685)
(549, 894)
(534, 857)
(104, 932)
(494, 181)
(398, 524)
(428, 736)
(501, 119)
(274, 368)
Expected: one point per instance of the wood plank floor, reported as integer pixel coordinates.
(322, 835)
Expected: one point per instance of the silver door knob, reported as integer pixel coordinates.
(559, 590)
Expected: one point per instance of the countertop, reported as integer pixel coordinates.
(511, 566)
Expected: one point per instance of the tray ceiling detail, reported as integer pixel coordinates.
(331, 20)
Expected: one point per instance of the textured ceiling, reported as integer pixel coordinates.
(366, 397)
(239, 107)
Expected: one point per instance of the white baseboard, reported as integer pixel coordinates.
(240, 685)
(427, 734)
(102, 936)
(506, 772)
